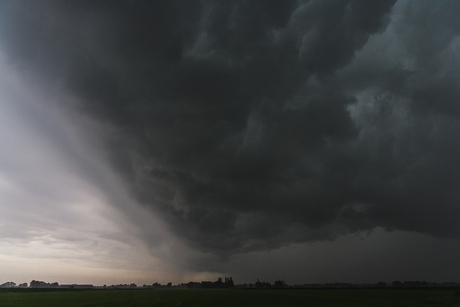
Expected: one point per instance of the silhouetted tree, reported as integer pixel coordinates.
(280, 283)
(208, 284)
(8, 284)
(416, 283)
(229, 282)
(193, 285)
(39, 284)
(262, 284)
(219, 283)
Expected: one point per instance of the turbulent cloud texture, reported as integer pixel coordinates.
(249, 125)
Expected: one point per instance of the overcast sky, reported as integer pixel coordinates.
(156, 141)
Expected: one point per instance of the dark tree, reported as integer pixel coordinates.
(262, 284)
(280, 283)
(39, 284)
(229, 282)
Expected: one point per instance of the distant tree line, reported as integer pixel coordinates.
(415, 283)
(228, 283)
(132, 285)
(219, 284)
(42, 284)
(382, 284)
(263, 284)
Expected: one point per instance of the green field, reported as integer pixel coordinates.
(234, 297)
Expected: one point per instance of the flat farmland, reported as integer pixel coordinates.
(233, 297)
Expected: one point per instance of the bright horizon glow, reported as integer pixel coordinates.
(60, 227)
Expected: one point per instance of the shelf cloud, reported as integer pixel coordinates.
(248, 126)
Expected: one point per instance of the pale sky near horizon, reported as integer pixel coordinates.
(151, 141)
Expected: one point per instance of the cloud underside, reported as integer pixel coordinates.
(247, 125)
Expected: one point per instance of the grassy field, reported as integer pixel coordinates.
(234, 297)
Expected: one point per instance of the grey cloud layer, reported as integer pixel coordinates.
(252, 124)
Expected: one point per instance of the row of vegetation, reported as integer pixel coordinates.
(228, 283)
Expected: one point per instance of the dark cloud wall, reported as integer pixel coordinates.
(247, 125)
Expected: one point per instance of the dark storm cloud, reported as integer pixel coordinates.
(253, 124)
